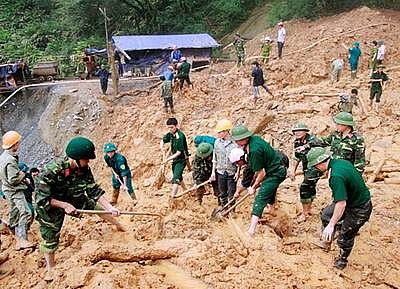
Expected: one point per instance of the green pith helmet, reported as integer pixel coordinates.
(317, 155)
(240, 132)
(344, 118)
(204, 150)
(80, 148)
(300, 126)
(109, 147)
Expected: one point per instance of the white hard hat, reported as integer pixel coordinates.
(170, 67)
(235, 155)
(280, 23)
(267, 38)
(183, 58)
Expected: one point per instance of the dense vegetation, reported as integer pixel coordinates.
(43, 29)
(46, 29)
(311, 9)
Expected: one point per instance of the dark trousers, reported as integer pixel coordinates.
(280, 49)
(226, 187)
(353, 220)
(182, 81)
(104, 84)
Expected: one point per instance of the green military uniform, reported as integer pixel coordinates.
(376, 87)
(311, 175)
(59, 181)
(266, 51)
(240, 53)
(263, 156)
(119, 165)
(178, 143)
(202, 169)
(347, 103)
(166, 94)
(183, 74)
(373, 60)
(14, 187)
(351, 148)
(347, 185)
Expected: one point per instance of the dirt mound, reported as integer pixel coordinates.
(206, 254)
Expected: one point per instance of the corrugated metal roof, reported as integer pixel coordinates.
(144, 42)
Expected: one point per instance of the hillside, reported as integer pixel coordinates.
(217, 255)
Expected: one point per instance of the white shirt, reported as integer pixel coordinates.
(381, 52)
(281, 34)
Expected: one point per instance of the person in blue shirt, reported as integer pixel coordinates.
(169, 74)
(176, 54)
(121, 173)
(354, 56)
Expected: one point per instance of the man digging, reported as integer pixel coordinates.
(269, 170)
(63, 186)
(179, 151)
(351, 202)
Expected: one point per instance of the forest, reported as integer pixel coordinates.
(59, 29)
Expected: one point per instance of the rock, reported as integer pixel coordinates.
(73, 90)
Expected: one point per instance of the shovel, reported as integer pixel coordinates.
(217, 211)
(160, 176)
(221, 215)
(191, 189)
(121, 183)
(100, 212)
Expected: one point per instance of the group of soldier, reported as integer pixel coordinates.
(220, 160)
(63, 186)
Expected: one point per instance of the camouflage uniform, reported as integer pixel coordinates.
(351, 148)
(201, 172)
(347, 102)
(311, 175)
(59, 181)
(239, 47)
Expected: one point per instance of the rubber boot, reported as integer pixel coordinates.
(50, 263)
(341, 261)
(22, 239)
(174, 190)
(114, 197)
(353, 75)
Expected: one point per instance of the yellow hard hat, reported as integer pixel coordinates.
(223, 124)
(10, 138)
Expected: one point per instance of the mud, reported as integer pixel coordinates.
(283, 253)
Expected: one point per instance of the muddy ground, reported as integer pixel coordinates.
(201, 253)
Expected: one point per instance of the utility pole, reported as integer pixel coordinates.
(110, 54)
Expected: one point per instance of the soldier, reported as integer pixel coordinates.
(202, 169)
(223, 170)
(179, 151)
(14, 187)
(302, 145)
(62, 187)
(347, 102)
(346, 143)
(266, 48)
(121, 173)
(351, 202)
(239, 44)
(378, 81)
(269, 170)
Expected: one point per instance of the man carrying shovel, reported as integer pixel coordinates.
(121, 173)
(179, 151)
(63, 186)
(269, 170)
(202, 169)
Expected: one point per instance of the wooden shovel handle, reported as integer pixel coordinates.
(100, 212)
(241, 200)
(191, 189)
